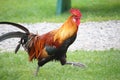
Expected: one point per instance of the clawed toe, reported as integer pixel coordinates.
(76, 64)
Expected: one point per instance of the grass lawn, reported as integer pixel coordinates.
(101, 65)
(32, 11)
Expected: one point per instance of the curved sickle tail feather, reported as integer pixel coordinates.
(18, 34)
(14, 35)
(16, 25)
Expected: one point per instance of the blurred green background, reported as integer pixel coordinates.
(32, 11)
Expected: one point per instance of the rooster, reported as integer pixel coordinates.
(50, 46)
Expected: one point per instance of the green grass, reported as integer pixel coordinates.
(101, 65)
(32, 11)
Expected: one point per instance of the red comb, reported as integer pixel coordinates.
(75, 12)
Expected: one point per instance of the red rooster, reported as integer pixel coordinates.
(50, 46)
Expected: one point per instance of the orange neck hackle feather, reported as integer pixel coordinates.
(68, 29)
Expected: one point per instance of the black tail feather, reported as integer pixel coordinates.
(23, 37)
(17, 48)
(16, 25)
(12, 35)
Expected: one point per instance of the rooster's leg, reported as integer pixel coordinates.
(36, 72)
(42, 62)
(64, 62)
(76, 64)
